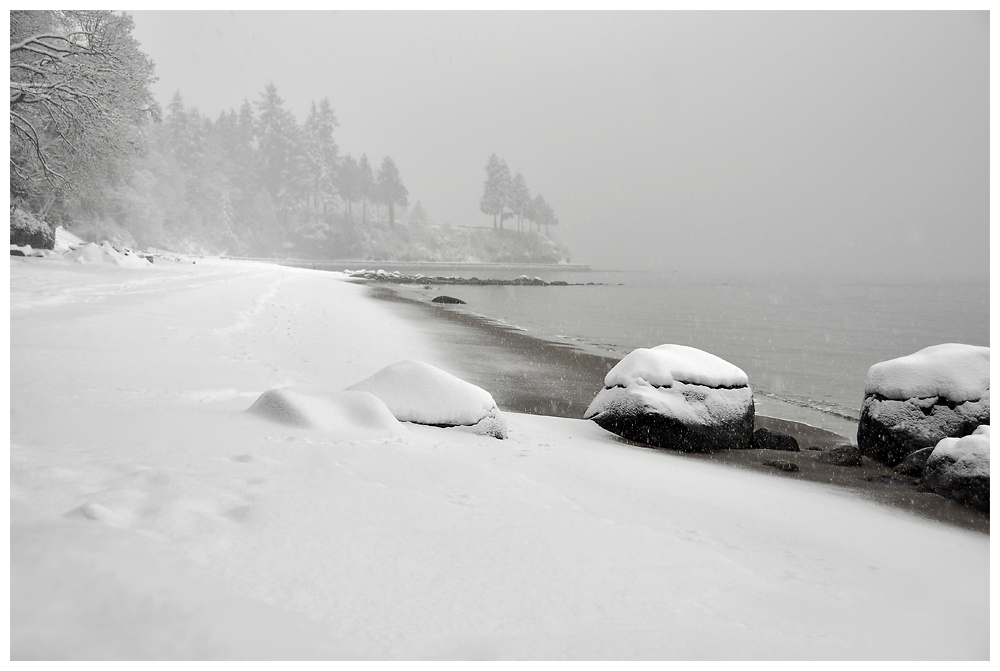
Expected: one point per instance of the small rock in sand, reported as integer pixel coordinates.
(781, 465)
(448, 299)
(841, 455)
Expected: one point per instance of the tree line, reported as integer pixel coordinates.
(505, 197)
(259, 167)
(90, 149)
(88, 143)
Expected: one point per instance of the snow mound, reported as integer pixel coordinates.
(952, 371)
(105, 254)
(349, 413)
(663, 365)
(418, 392)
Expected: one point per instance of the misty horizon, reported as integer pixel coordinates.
(830, 143)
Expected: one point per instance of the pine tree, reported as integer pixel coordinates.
(321, 150)
(366, 186)
(520, 198)
(496, 190)
(390, 186)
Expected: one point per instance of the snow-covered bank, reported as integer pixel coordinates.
(152, 517)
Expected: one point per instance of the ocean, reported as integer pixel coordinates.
(806, 345)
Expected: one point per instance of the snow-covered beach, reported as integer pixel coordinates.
(151, 517)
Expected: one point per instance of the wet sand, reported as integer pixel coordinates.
(534, 376)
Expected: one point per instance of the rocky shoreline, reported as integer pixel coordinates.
(534, 376)
(398, 278)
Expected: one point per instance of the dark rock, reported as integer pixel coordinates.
(781, 465)
(913, 465)
(841, 455)
(665, 431)
(16, 252)
(890, 430)
(894, 480)
(769, 439)
(448, 299)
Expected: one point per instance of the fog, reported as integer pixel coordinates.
(851, 144)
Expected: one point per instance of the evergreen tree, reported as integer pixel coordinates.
(349, 183)
(520, 198)
(390, 186)
(282, 165)
(366, 186)
(322, 152)
(543, 214)
(418, 213)
(496, 190)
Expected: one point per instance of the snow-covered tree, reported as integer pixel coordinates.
(543, 214)
(366, 186)
(520, 198)
(322, 151)
(79, 93)
(496, 190)
(390, 187)
(418, 213)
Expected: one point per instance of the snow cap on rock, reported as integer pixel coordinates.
(969, 455)
(418, 392)
(952, 371)
(663, 365)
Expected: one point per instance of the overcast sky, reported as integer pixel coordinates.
(827, 143)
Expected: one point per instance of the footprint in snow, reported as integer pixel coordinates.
(462, 499)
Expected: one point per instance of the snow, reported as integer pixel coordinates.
(65, 241)
(345, 413)
(662, 365)
(415, 391)
(952, 371)
(153, 517)
(969, 455)
(92, 253)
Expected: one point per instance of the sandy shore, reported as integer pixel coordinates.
(539, 377)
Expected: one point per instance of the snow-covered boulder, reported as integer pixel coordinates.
(349, 414)
(420, 393)
(959, 468)
(105, 254)
(678, 397)
(914, 401)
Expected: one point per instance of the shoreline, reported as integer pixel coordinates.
(142, 491)
(534, 376)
